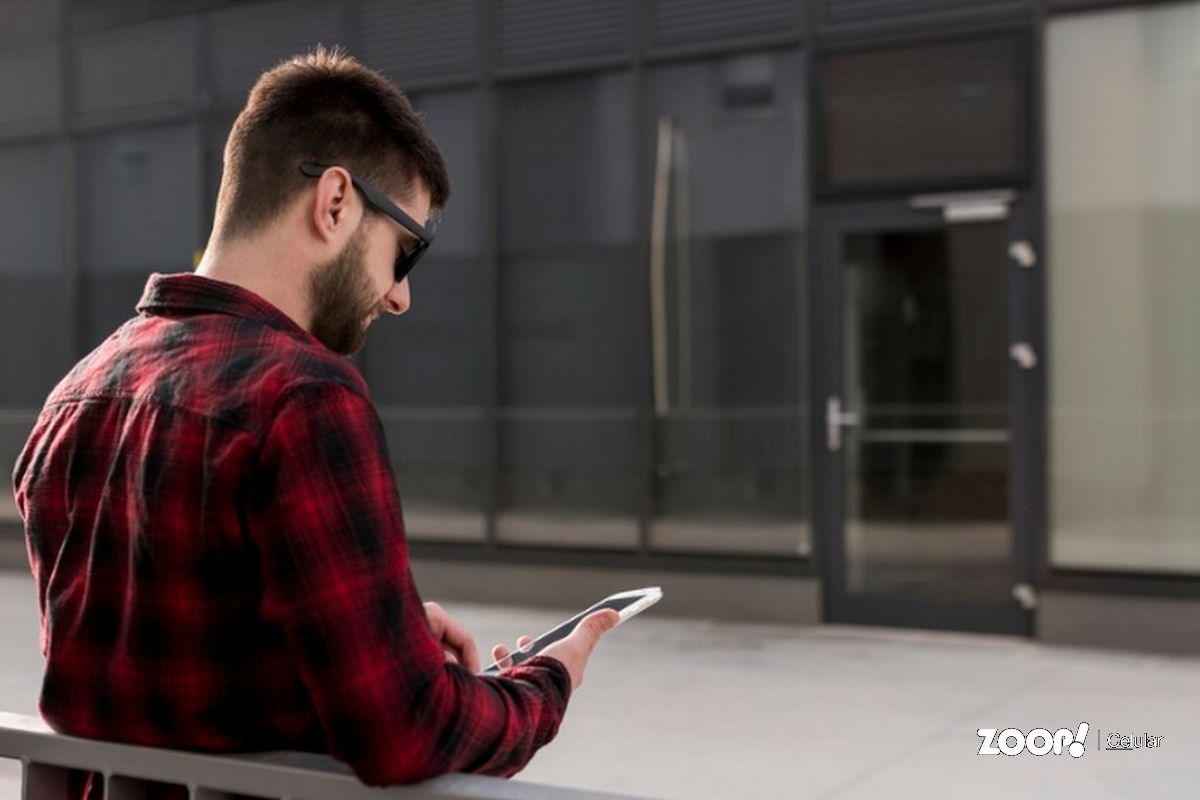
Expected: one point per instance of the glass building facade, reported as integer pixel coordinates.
(1123, 217)
(895, 301)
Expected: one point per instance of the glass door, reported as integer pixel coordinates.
(919, 374)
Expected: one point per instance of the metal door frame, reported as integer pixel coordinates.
(833, 221)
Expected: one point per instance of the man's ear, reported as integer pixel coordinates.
(336, 206)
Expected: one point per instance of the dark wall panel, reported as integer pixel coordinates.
(28, 23)
(535, 33)
(243, 42)
(142, 72)
(30, 92)
(34, 348)
(139, 213)
(416, 39)
(688, 23)
(89, 16)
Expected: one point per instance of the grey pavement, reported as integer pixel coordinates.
(694, 709)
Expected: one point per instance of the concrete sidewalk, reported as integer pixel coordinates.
(689, 709)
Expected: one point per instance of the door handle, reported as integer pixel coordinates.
(658, 267)
(835, 420)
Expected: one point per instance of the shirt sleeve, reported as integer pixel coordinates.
(336, 577)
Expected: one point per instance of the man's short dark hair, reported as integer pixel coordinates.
(323, 107)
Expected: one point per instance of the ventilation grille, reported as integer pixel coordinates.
(550, 32)
(851, 13)
(1065, 5)
(30, 93)
(684, 23)
(245, 42)
(923, 114)
(90, 16)
(417, 39)
(146, 71)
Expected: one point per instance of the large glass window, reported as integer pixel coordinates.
(1124, 281)
(427, 369)
(570, 465)
(35, 350)
(728, 304)
(32, 291)
(139, 213)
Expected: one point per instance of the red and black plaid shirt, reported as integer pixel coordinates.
(216, 535)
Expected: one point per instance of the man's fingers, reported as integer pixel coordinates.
(500, 656)
(500, 653)
(470, 655)
(456, 638)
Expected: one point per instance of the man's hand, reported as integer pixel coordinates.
(574, 650)
(456, 642)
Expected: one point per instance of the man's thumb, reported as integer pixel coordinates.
(598, 623)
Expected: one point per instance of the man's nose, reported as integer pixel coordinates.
(398, 298)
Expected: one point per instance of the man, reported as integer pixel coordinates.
(209, 507)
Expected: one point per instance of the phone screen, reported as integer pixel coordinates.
(618, 602)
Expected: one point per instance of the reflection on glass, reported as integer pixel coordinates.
(1124, 289)
(925, 376)
(727, 298)
(427, 368)
(570, 463)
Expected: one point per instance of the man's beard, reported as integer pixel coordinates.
(342, 298)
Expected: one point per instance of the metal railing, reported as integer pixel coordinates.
(47, 757)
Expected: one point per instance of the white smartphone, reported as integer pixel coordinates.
(627, 604)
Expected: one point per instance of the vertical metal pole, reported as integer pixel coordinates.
(1030, 481)
(822, 521)
(658, 267)
(493, 312)
(642, 169)
(42, 782)
(804, 290)
(683, 268)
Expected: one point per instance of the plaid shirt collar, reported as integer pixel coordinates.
(187, 291)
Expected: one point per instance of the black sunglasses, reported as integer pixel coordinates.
(407, 259)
